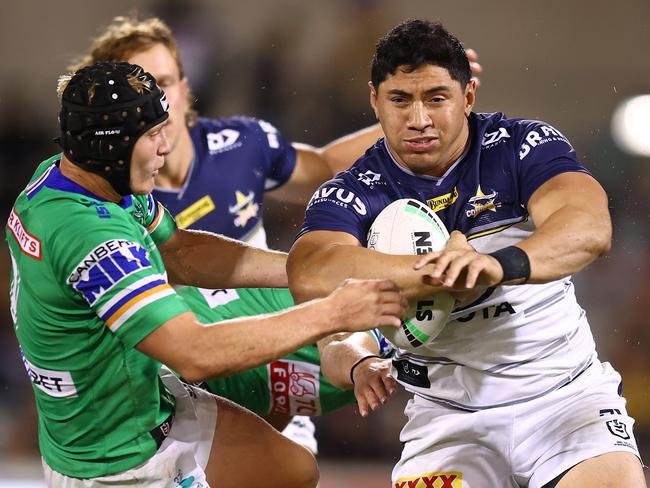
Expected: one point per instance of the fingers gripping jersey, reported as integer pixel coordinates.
(292, 385)
(515, 342)
(236, 160)
(88, 284)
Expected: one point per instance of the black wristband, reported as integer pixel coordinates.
(515, 264)
(359, 362)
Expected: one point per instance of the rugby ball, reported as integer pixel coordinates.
(408, 226)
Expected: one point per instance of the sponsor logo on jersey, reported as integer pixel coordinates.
(438, 479)
(271, 134)
(57, 384)
(491, 139)
(482, 202)
(106, 265)
(222, 141)
(194, 212)
(370, 178)
(491, 312)
(295, 387)
(339, 196)
(443, 201)
(537, 137)
(102, 212)
(29, 244)
(411, 373)
(245, 208)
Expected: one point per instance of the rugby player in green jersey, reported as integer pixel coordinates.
(93, 260)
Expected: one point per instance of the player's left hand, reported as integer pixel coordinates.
(459, 266)
(373, 384)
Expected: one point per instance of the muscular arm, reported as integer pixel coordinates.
(199, 351)
(320, 260)
(208, 260)
(573, 228)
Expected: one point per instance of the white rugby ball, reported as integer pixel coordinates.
(408, 226)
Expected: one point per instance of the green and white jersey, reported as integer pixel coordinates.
(88, 284)
(292, 385)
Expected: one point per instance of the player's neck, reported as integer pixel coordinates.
(92, 182)
(177, 163)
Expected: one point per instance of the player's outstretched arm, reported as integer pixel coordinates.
(199, 351)
(573, 228)
(207, 260)
(353, 361)
(320, 260)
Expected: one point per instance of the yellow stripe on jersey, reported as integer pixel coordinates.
(134, 301)
(195, 211)
(159, 216)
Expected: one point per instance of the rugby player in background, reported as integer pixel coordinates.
(218, 170)
(511, 393)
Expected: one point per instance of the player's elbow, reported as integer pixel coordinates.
(204, 364)
(304, 282)
(602, 238)
(196, 371)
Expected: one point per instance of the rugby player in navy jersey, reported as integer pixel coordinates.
(511, 393)
(217, 170)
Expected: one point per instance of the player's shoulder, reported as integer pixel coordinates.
(521, 134)
(366, 171)
(240, 123)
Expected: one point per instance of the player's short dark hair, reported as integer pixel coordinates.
(414, 43)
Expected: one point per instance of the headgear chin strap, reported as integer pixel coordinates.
(105, 108)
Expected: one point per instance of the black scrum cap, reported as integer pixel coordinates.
(105, 108)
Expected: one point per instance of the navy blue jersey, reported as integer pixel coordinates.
(235, 161)
(514, 342)
(485, 190)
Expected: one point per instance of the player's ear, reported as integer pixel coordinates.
(470, 96)
(373, 98)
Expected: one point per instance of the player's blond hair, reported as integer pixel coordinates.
(126, 36)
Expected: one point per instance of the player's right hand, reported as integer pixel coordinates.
(474, 65)
(360, 305)
(373, 384)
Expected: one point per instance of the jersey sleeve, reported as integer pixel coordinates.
(158, 221)
(543, 152)
(110, 268)
(338, 205)
(279, 156)
(386, 349)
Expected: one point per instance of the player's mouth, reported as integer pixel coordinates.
(422, 144)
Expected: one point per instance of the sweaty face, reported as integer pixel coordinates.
(424, 116)
(147, 158)
(158, 61)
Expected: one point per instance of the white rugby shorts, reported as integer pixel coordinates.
(526, 444)
(183, 455)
